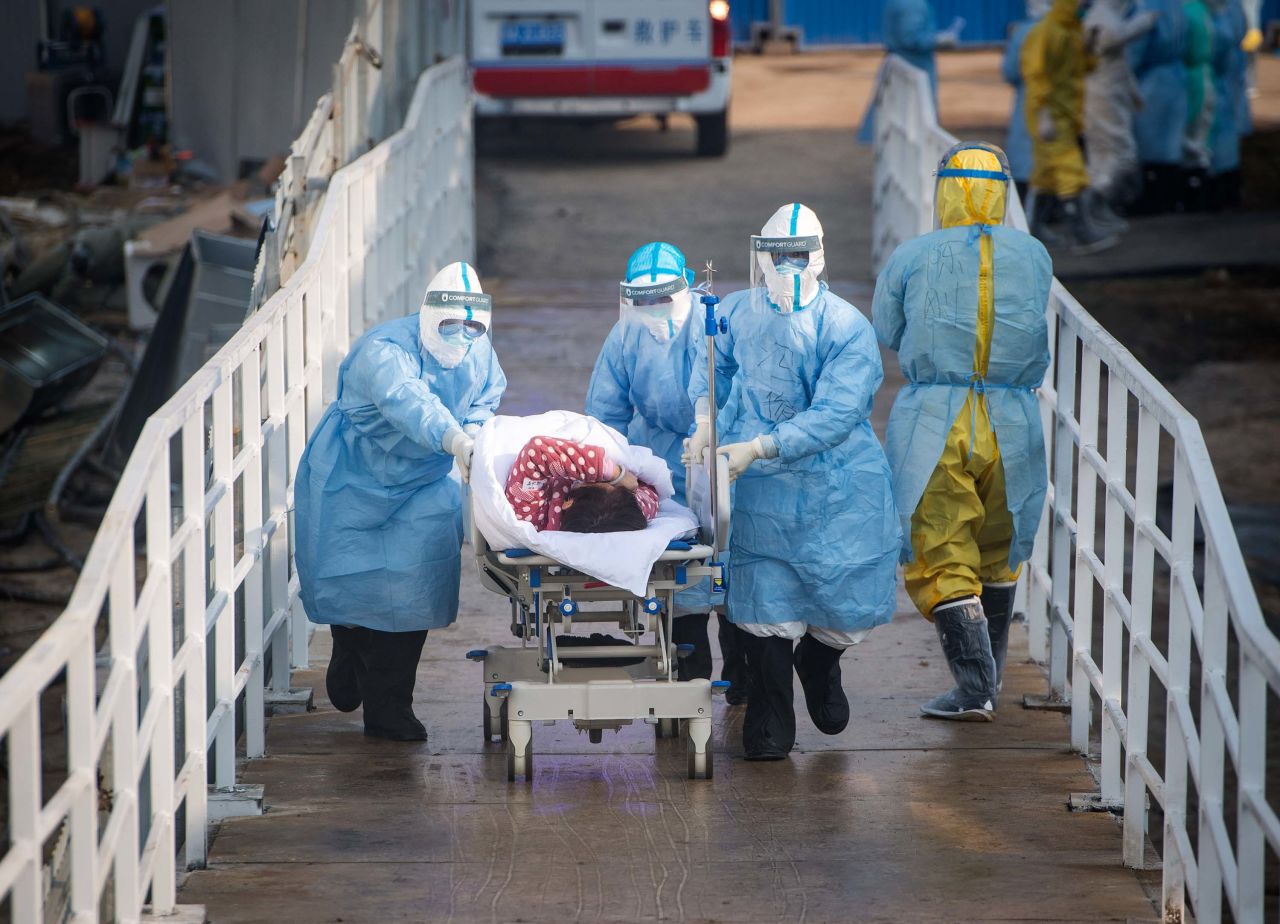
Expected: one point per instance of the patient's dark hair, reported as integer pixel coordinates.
(601, 508)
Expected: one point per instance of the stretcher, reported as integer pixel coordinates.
(539, 681)
(599, 687)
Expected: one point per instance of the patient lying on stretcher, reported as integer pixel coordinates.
(560, 484)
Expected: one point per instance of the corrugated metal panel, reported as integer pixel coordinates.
(841, 22)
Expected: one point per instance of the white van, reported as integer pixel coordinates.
(606, 59)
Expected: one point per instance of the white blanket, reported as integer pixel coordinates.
(623, 559)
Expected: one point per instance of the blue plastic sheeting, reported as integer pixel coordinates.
(841, 22)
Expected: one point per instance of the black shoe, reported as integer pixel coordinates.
(691, 629)
(997, 606)
(342, 679)
(769, 727)
(390, 669)
(818, 667)
(734, 669)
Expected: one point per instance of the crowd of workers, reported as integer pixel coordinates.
(1121, 107)
(822, 514)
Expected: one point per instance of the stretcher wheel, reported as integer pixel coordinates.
(595, 735)
(494, 725)
(667, 728)
(519, 763)
(700, 765)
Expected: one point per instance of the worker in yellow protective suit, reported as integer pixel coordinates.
(964, 306)
(1054, 64)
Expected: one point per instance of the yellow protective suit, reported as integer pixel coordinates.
(1054, 63)
(961, 530)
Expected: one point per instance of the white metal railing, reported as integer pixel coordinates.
(195, 545)
(1174, 600)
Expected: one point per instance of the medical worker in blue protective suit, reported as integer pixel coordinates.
(911, 32)
(379, 519)
(1230, 65)
(964, 307)
(1159, 124)
(1018, 142)
(815, 535)
(640, 388)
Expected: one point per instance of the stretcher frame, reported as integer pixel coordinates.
(530, 683)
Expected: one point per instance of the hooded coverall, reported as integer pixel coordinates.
(1054, 64)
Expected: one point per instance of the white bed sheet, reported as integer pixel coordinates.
(623, 559)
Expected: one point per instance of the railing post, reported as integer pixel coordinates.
(1038, 616)
(1063, 456)
(195, 602)
(159, 621)
(123, 633)
(1213, 675)
(1181, 582)
(1086, 534)
(82, 762)
(281, 347)
(224, 642)
(1138, 700)
(1114, 549)
(24, 813)
(1251, 840)
(255, 732)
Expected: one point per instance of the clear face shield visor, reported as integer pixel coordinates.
(972, 186)
(787, 273)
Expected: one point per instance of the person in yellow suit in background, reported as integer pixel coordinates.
(965, 308)
(1054, 64)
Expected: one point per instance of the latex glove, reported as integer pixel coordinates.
(742, 455)
(950, 36)
(471, 429)
(701, 438)
(1045, 127)
(1252, 41)
(460, 446)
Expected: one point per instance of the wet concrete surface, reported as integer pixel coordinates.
(896, 819)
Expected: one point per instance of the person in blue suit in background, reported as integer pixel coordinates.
(911, 32)
(1017, 146)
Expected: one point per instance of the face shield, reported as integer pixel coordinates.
(788, 267)
(656, 291)
(662, 306)
(454, 314)
(972, 186)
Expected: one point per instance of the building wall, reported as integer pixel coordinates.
(246, 74)
(20, 32)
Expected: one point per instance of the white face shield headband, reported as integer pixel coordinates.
(450, 321)
(662, 306)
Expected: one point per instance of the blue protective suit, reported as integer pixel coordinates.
(378, 517)
(910, 32)
(1157, 61)
(1230, 76)
(1017, 145)
(926, 308)
(815, 532)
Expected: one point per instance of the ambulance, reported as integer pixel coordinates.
(604, 59)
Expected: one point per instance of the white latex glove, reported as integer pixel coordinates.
(701, 438)
(1045, 127)
(471, 429)
(460, 446)
(742, 455)
(950, 36)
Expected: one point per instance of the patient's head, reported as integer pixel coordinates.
(601, 508)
